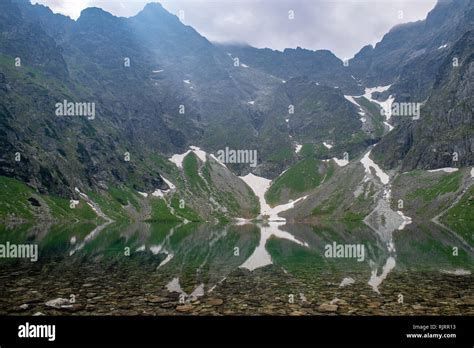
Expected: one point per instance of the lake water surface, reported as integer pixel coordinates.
(245, 269)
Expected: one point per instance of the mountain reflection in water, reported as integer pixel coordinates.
(245, 268)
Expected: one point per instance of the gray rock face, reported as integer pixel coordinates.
(444, 134)
(410, 55)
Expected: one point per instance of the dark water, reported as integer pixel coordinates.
(252, 269)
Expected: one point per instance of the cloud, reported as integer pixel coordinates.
(69, 8)
(342, 26)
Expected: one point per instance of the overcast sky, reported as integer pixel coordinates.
(342, 26)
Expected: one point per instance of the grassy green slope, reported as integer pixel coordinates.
(18, 200)
(302, 177)
(460, 217)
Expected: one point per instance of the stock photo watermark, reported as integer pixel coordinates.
(84, 109)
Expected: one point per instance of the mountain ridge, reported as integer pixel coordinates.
(159, 87)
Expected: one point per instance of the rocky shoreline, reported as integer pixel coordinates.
(140, 290)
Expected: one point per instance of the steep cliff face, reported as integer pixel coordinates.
(321, 66)
(410, 55)
(444, 134)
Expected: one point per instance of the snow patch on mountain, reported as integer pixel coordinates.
(446, 170)
(352, 100)
(157, 193)
(385, 105)
(390, 127)
(368, 163)
(260, 186)
(341, 162)
(379, 89)
(169, 183)
(327, 145)
(95, 207)
(217, 160)
(361, 112)
(198, 152)
(178, 159)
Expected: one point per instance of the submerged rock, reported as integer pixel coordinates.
(59, 303)
(328, 307)
(185, 308)
(215, 301)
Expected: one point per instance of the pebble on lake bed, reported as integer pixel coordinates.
(59, 303)
(327, 307)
